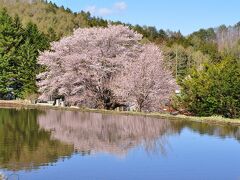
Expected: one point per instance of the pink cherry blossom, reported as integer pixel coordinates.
(95, 67)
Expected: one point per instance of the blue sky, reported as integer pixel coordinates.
(184, 15)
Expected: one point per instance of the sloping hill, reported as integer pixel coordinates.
(49, 17)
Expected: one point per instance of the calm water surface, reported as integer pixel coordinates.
(54, 144)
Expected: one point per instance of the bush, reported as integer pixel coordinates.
(215, 90)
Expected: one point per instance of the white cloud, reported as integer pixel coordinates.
(104, 11)
(121, 6)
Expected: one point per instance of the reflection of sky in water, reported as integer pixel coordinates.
(191, 150)
(191, 157)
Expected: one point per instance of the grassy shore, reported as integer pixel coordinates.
(211, 119)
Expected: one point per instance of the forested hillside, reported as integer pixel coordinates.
(194, 60)
(50, 18)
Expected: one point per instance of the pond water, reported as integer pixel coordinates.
(55, 144)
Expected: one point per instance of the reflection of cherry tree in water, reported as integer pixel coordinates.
(95, 132)
(106, 133)
(27, 143)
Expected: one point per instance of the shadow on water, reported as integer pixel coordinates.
(33, 138)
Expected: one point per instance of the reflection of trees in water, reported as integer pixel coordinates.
(118, 134)
(222, 131)
(106, 133)
(23, 145)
